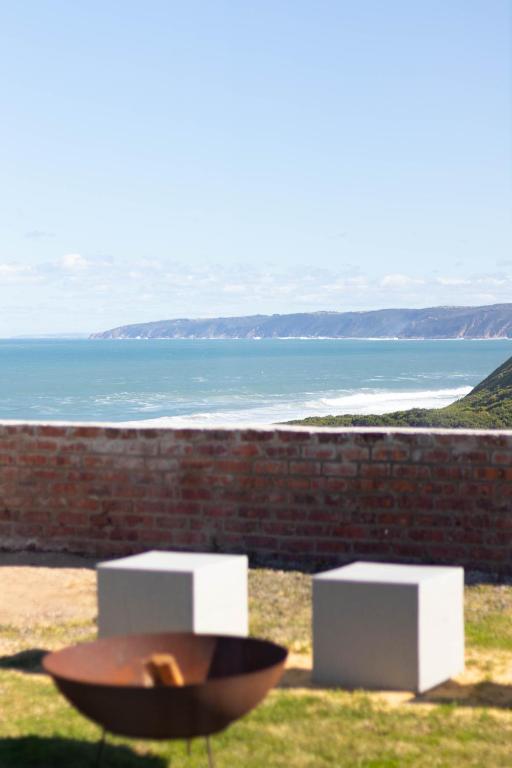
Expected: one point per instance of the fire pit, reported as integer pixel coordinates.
(224, 678)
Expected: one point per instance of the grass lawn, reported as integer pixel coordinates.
(467, 722)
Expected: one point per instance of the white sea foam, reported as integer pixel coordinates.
(382, 402)
(360, 402)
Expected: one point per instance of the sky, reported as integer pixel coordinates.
(166, 159)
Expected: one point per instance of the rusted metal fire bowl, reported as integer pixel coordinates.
(225, 677)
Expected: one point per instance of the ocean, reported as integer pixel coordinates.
(213, 382)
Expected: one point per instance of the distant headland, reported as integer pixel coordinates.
(488, 322)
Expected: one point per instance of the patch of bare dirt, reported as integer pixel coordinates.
(485, 682)
(44, 589)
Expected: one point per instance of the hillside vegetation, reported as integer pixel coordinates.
(487, 406)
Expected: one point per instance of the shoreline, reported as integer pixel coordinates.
(359, 403)
(286, 338)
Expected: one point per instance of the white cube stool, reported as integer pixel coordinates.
(398, 627)
(173, 592)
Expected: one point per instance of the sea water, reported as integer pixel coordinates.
(186, 382)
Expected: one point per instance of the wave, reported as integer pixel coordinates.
(361, 402)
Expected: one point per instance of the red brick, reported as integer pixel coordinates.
(436, 457)
(427, 534)
(78, 432)
(233, 466)
(489, 473)
(296, 545)
(395, 518)
(447, 553)
(255, 436)
(336, 485)
(255, 540)
(501, 457)
(110, 506)
(247, 450)
(412, 471)
(292, 513)
(125, 534)
(262, 467)
(282, 451)
(297, 483)
(73, 518)
(51, 431)
(67, 489)
(471, 457)
(349, 531)
(204, 464)
(320, 452)
(305, 468)
(367, 485)
(257, 513)
(32, 459)
(377, 502)
(331, 546)
(291, 436)
(374, 470)
(339, 469)
(35, 516)
(196, 494)
(377, 548)
(408, 551)
(212, 449)
(189, 539)
(402, 486)
(27, 530)
(45, 445)
(325, 515)
(389, 453)
(357, 453)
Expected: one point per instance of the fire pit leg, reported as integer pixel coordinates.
(211, 761)
(189, 747)
(101, 747)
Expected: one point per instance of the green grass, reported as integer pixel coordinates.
(307, 728)
(338, 729)
(488, 616)
(280, 608)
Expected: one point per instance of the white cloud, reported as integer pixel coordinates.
(234, 288)
(359, 283)
(491, 281)
(16, 273)
(452, 281)
(38, 234)
(13, 269)
(398, 281)
(74, 262)
(150, 264)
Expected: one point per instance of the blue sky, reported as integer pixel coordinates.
(167, 159)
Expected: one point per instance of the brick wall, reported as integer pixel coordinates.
(288, 496)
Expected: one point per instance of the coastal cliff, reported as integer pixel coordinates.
(488, 322)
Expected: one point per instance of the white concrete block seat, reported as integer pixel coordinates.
(398, 627)
(173, 592)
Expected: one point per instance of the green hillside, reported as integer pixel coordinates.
(487, 406)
